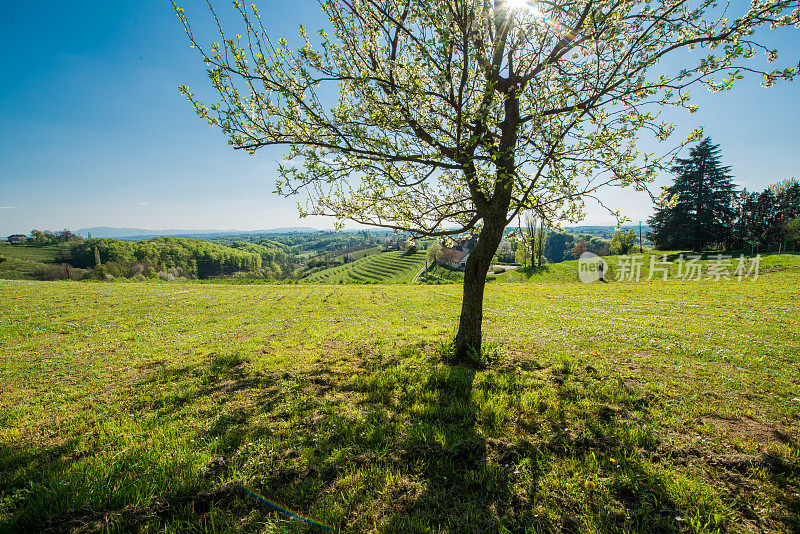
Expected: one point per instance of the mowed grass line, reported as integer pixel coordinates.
(619, 407)
(395, 266)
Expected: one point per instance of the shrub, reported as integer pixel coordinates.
(60, 271)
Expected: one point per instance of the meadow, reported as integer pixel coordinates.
(638, 407)
(436, 274)
(25, 262)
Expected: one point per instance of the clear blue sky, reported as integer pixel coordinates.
(93, 131)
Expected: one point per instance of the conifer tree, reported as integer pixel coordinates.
(698, 211)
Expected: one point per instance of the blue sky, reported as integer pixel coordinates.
(93, 131)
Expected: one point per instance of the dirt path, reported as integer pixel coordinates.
(416, 276)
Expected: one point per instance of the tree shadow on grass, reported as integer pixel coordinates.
(388, 448)
(465, 487)
(42, 490)
(410, 453)
(69, 485)
(461, 481)
(534, 270)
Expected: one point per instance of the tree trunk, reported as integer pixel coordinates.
(478, 263)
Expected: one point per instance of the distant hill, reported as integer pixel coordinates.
(141, 233)
(606, 232)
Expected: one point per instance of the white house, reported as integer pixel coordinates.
(455, 259)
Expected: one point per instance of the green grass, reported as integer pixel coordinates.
(40, 253)
(384, 267)
(649, 407)
(24, 261)
(567, 271)
(436, 274)
(363, 253)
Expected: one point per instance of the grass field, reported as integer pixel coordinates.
(363, 253)
(384, 267)
(567, 271)
(640, 407)
(24, 261)
(436, 274)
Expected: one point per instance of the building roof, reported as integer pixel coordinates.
(468, 243)
(452, 255)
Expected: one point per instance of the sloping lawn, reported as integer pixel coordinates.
(639, 407)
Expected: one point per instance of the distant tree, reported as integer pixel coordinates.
(787, 208)
(521, 252)
(767, 227)
(623, 242)
(2, 258)
(97, 261)
(578, 249)
(793, 231)
(590, 243)
(434, 249)
(65, 235)
(530, 237)
(697, 210)
(762, 218)
(744, 208)
(558, 245)
(534, 236)
(39, 238)
(505, 252)
(541, 237)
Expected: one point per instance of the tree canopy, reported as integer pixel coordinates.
(622, 242)
(455, 115)
(194, 259)
(763, 218)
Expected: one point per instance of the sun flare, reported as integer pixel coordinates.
(519, 5)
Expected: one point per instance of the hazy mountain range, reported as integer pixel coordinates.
(140, 233)
(143, 233)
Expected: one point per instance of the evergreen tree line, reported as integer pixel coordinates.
(703, 209)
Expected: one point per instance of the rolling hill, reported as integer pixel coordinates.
(384, 267)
